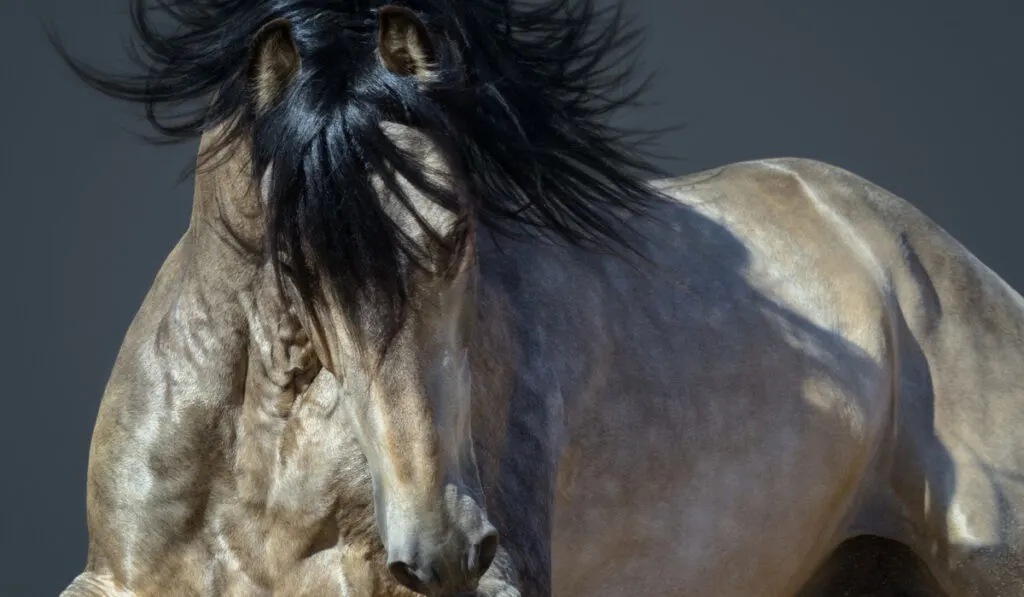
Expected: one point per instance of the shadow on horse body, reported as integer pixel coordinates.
(392, 352)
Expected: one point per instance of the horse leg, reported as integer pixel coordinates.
(92, 584)
(964, 498)
(956, 469)
(979, 539)
(956, 474)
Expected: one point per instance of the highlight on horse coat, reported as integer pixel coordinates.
(436, 327)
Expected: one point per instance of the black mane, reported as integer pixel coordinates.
(520, 107)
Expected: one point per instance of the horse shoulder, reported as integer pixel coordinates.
(159, 431)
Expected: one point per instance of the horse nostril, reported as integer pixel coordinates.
(485, 552)
(407, 577)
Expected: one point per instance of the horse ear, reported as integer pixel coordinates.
(274, 63)
(404, 43)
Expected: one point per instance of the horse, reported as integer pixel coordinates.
(436, 327)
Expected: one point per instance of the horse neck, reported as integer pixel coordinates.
(224, 301)
(226, 203)
(224, 285)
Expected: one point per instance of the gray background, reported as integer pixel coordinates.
(923, 97)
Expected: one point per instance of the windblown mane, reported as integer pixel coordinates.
(520, 107)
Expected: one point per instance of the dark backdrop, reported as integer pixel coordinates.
(921, 96)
